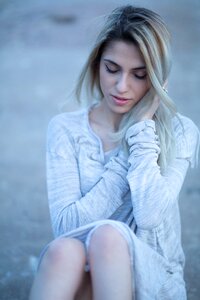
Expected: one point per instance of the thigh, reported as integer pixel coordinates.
(85, 290)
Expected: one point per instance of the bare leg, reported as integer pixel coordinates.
(110, 265)
(61, 271)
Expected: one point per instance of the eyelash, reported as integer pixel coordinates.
(111, 71)
(115, 71)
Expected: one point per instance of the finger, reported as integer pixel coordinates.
(156, 100)
(165, 85)
(155, 104)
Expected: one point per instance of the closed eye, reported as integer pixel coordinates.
(110, 70)
(140, 76)
(114, 70)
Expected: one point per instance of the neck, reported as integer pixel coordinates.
(110, 119)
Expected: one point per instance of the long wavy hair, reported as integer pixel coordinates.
(147, 30)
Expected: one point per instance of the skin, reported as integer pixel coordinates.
(61, 274)
(122, 75)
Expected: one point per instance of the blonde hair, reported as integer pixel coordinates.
(145, 29)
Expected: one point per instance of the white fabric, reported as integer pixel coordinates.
(88, 188)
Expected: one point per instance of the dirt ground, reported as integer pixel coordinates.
(43, 45)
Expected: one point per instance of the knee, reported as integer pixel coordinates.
(64, 250)
(105, 241)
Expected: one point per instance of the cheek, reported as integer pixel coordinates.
(143, 88)
(104, 81)
(102, 84)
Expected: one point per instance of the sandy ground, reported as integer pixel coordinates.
(43, 45)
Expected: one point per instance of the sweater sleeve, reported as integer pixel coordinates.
(154, 193)
(70, 209)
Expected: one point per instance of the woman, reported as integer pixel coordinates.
(114, 173)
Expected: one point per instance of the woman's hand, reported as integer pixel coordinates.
(146, 108)
(150, 108)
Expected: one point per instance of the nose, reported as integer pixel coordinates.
(122, 83)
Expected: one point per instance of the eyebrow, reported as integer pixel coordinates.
(114, 63)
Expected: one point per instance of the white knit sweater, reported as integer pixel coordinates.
(86, 187)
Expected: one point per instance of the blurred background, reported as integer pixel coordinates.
(43, 45)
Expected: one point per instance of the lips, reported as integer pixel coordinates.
(120, 101)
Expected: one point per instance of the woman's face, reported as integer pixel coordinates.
(123, 76)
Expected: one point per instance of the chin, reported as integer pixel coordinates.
(120, 109)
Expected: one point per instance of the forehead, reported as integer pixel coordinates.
(122, 52)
